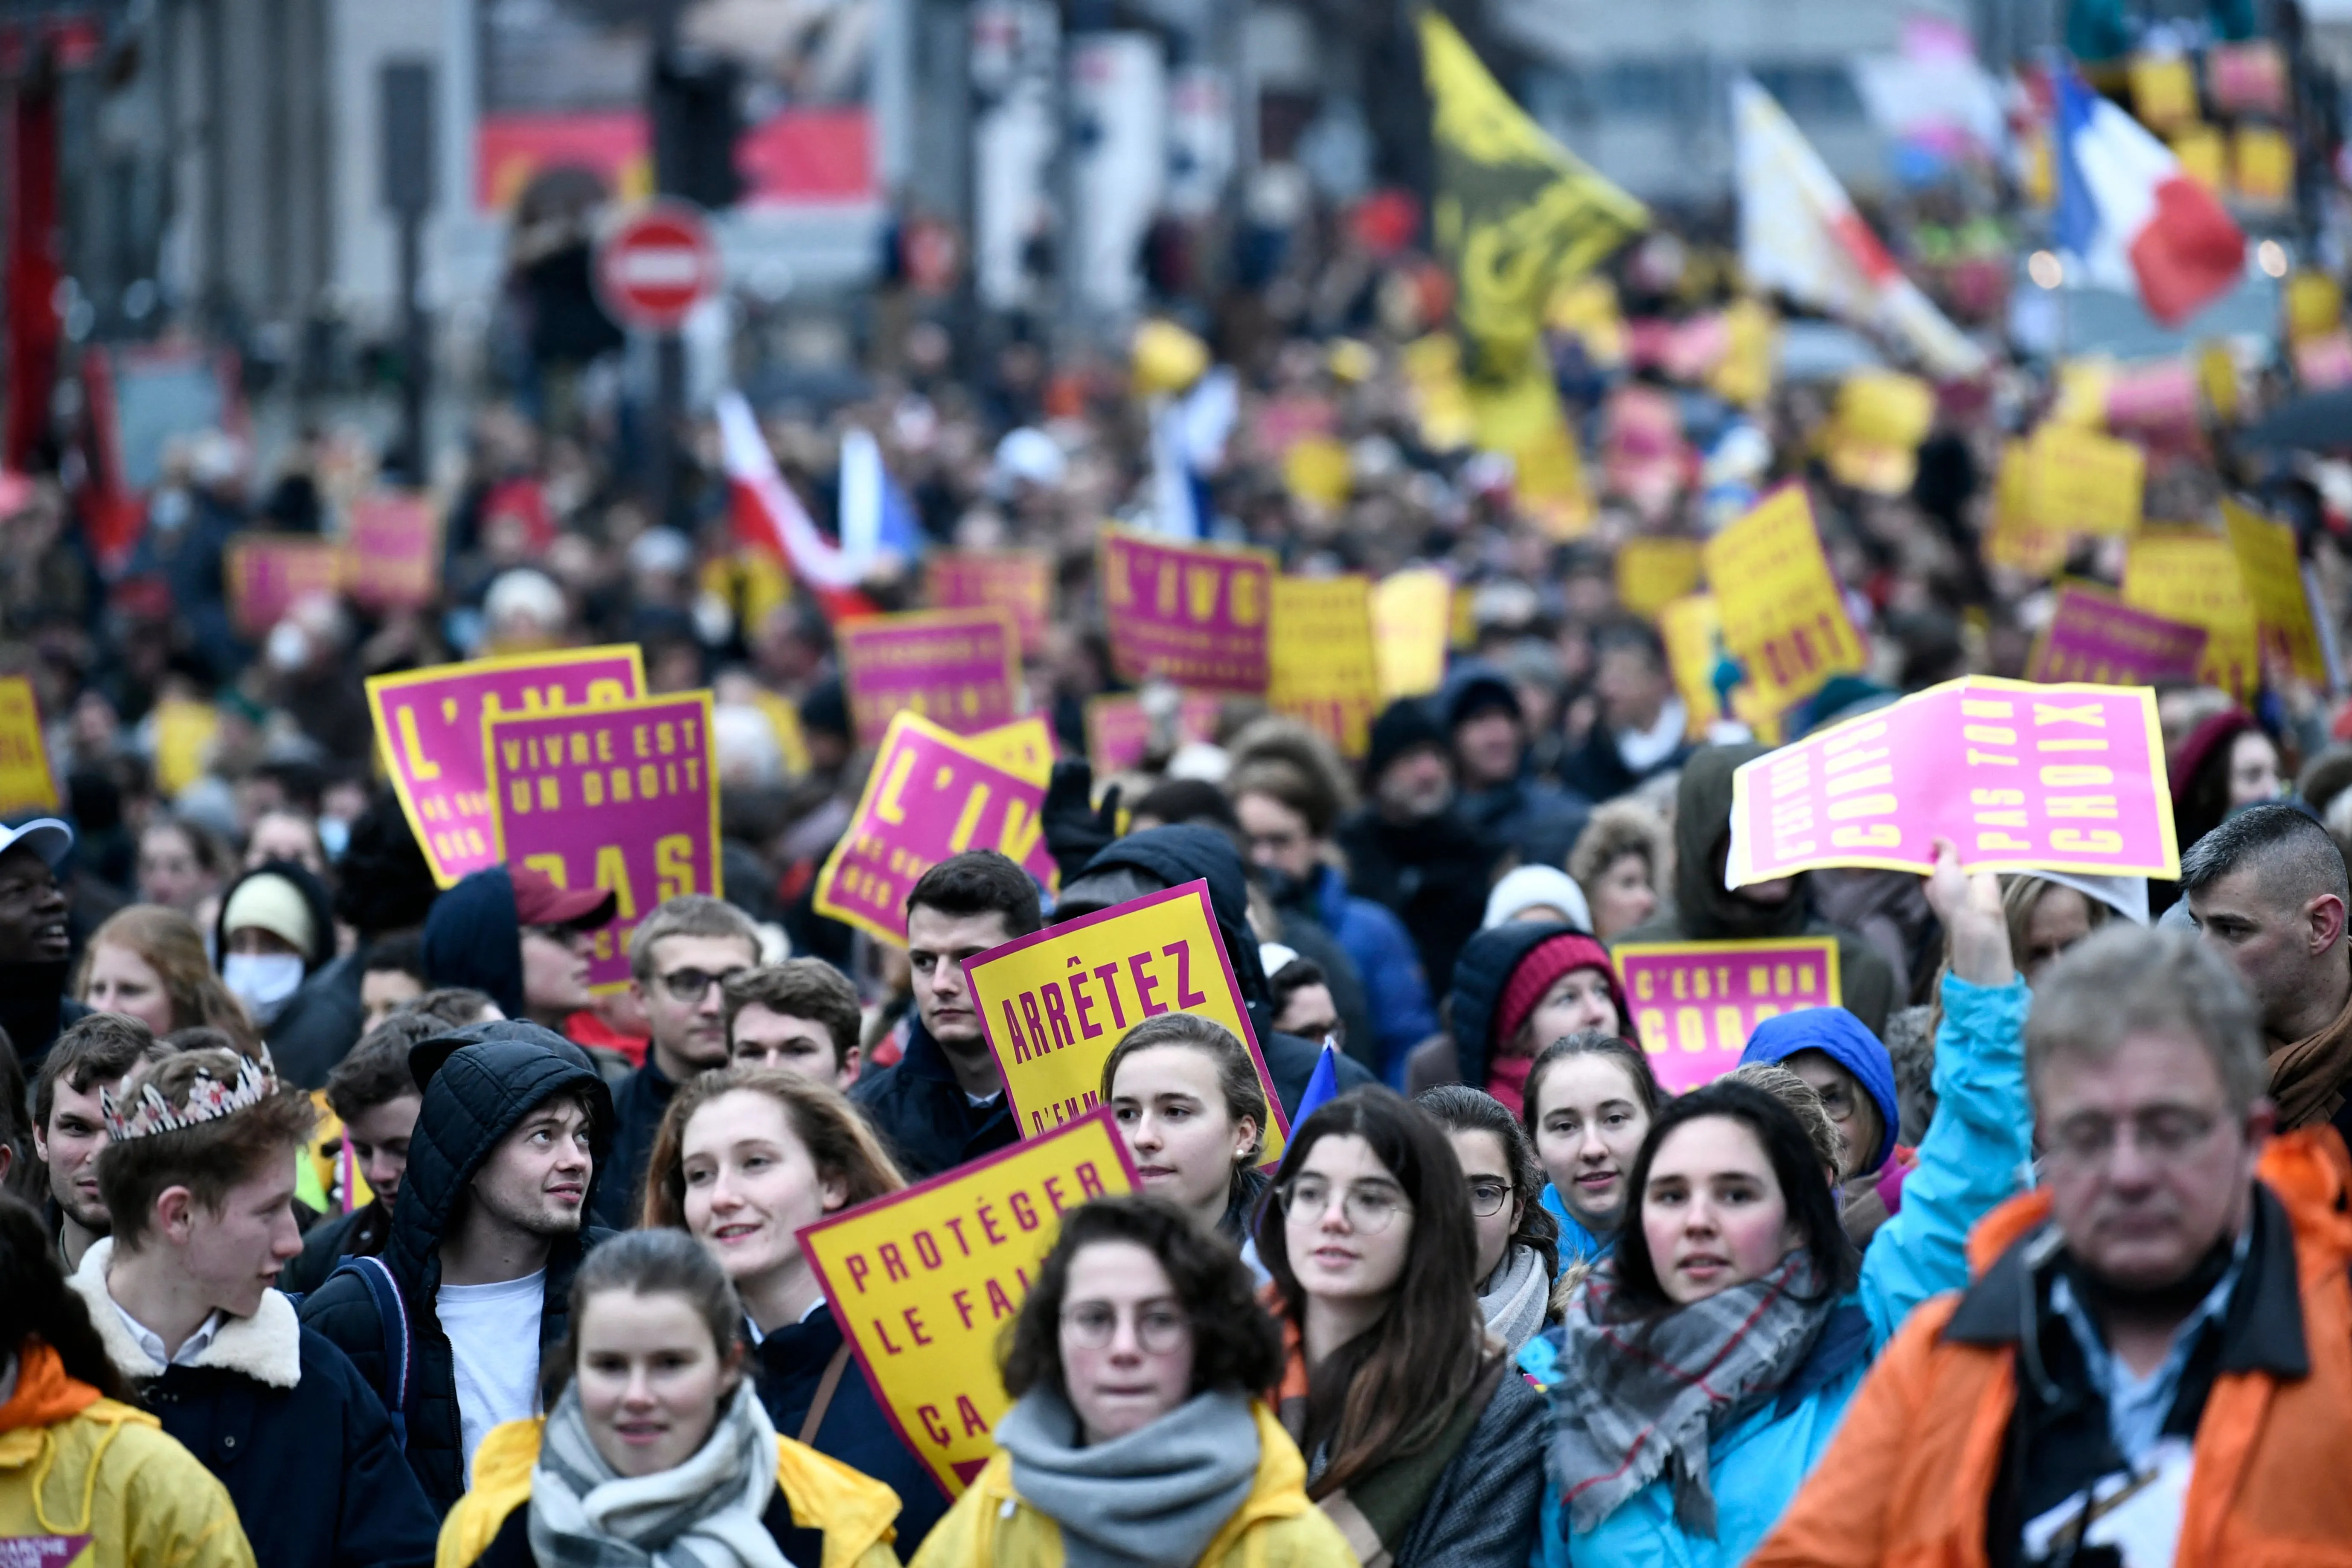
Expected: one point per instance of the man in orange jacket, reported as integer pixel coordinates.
(2154, 1365)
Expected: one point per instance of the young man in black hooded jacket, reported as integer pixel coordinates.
(486, 1234)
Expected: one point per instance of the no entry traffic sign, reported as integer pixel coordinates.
(657, 266)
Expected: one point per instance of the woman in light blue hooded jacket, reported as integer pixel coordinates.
(1758, 1452)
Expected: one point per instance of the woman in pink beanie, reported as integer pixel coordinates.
(1517, 988)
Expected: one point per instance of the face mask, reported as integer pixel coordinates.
(288, 649)
(262, 981)
(334, 837)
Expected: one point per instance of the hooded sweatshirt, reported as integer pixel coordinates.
(1705, 911)
(310, 1059)
(1839, 1034)
(1487, 963)
(479, 1083)
(473, 937)
(1189, 853)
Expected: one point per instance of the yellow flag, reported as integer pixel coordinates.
(1517, 214)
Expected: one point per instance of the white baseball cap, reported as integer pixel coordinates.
(44, 835)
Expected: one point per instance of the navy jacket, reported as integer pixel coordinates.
(786, 1368)
(920, 1109)
(477, 1097)
(359, 1233)
(638, 1106)
(292, 1430)
(473, 937)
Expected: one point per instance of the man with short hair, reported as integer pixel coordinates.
(1487, 729)
(485, 1240)
(943, 1101)
(681, 957)
(1410, 847)
(2267, 890)
(198, 1175)
(1643, 729)
(371, 1093)
(2152, 1367)
(392, 971)
(36, 947)
(69, 1130)
(800, 1013)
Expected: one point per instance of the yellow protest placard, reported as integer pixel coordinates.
(2272, 572)
(1783, 616)
(1433, 372)
(2217, 379)
(2081, 400)
(1873, 437)
(1688, 626)
(922, 1282)
(26, 781)
(2016, 541)
(2314, 306)
(784, 722)
(2190, 574)
(2204, 155)
(1323, 671)
(1317, 470)
(1055, 1003)
(2084, 482)
(1651, 572)
(2261, 165)
(1412, 617)
(1023, 748)
(2163, 89)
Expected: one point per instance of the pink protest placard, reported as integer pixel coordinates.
(2109, 643)
(623, 797)
(1695, 1003)
(926, 798)
(1019, 582)
(1119, 732)
(2019, 777)
(264, 573)
(1194, 614)
(394, 543)
(429, 725)
(958, 669)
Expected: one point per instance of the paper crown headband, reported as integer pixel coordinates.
(148, 1112)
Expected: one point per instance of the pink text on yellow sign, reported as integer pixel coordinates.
(923, 1281)
(1055, 1004)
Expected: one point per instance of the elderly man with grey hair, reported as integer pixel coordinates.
(2152, 1366)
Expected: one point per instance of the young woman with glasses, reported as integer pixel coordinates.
(1135, 1438)
(1733, 1260)
(1189, 1105)
(1422, 1441)
(1518, 1240)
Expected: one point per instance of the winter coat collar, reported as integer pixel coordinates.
(266, 1347)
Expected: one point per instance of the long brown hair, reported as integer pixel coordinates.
(168, 942)
(840, 1144)
(1392, 1390)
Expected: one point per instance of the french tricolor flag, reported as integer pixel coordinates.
(877, 522)
(2133, 215)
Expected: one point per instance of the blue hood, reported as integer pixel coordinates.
(473, 937)
(1849, 1043)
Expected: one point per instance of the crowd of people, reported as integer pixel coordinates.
(350, 1226)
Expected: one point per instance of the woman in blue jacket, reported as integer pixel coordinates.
(1789, 1324)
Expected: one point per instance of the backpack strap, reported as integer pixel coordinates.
(392, 1311)
(824, 1401)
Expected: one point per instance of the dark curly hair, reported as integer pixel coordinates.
(1236, 1344)
(37, 1304)
(1796, 1166)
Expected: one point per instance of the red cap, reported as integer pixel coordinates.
(539, 902)
(1545, 963)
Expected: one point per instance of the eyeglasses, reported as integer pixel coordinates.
(1159, 1327)
(693, 984)
(2163, 1130)
(1487, 1198)
(1838, 1100)
(1370, 1207)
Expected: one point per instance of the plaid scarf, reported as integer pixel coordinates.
(703, 1514)
(1637, 1400)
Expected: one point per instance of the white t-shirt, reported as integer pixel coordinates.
(494, 1349)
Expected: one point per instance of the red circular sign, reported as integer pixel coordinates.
(657, 266)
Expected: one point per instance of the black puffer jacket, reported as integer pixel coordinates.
(1190, 852)
(494, 1075)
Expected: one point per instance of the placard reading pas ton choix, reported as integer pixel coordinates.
(1055, 1004)
(2019, 777)
(923, 1281)
(624, 797)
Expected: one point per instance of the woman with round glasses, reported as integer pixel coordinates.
(1189, 1104)
(1422, 1441)
(1134, 1437)
(1518, 1240)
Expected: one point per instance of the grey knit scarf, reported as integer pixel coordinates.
(705, 1513)
(1639, 1400)
(1515, 1296)
(1153, 1499)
